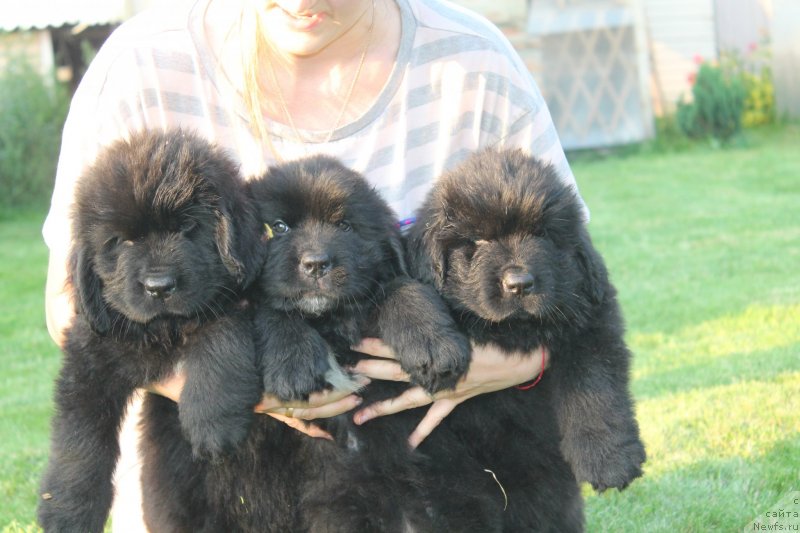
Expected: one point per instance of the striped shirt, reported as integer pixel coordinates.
(457, 86)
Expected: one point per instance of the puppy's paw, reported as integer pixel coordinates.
(338, 378)
(216, 407)
(415, 322)
(605, 464)
(292, 371)
(214, 433)
(435, 361)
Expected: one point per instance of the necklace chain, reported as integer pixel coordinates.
(349, 95)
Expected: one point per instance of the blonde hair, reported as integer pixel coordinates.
(254, 50)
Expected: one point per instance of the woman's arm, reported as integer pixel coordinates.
(294, 414)
(59, 308)
(491, 370)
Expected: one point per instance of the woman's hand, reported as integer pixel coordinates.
(294, 414)
(491, 370)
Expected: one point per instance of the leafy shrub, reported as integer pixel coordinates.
(717, 104)
(759, 103)
(756, 74)
(32, 113)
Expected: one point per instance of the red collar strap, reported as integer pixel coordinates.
(532, 384)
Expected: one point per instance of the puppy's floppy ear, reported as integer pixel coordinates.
(89, 291)
(397, 252)
(426, 250)
(237, 235)
(595, 274)
(225, 236)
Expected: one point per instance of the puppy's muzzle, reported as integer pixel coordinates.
(315, 265)
(517, 282)
(160, 285)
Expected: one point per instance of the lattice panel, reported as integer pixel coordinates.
(591, 71)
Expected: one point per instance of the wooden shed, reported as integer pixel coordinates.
(606, 67)
(785, 36)
(681, 33)
(54, 34)
(590, 59)
(594, 70)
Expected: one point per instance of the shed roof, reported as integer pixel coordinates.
(39, 14)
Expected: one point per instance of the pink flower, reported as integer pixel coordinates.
(752, 47)
(698, 59)
(691, 78)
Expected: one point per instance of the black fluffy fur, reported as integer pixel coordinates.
(165, 240)
(334, 272)
(502, 239)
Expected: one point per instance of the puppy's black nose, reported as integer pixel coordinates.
(160, 285)
(315, 265)
(517, 282)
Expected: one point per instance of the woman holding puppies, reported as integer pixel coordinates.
(400, 90)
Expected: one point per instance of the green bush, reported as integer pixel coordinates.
(716, 107)
(32, 113)
(759, 105)
(754, 69)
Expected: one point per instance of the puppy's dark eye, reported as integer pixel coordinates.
(280, 227)
(344, 225)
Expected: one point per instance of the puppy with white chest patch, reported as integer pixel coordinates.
(335, 273)
(335, 270)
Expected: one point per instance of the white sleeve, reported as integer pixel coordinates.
(535, 133)
(101, 111)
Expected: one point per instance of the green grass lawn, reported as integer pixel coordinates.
(704, 247)
(29, 362)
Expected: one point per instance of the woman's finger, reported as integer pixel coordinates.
(303, 427)
(409, 399)
(381, 369)
(270, 403)
(348, 403)
(170, 387)
(438, 411)
(318, 399)
(374, 347)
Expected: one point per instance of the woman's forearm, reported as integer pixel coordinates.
(59, 308)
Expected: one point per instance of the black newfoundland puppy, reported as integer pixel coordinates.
(502, 239)
(334, 273)
(165, 240)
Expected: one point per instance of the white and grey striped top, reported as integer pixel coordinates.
(457, 86)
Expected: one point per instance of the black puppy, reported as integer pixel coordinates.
(502, 239)
(165, 240)
(335, 272)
